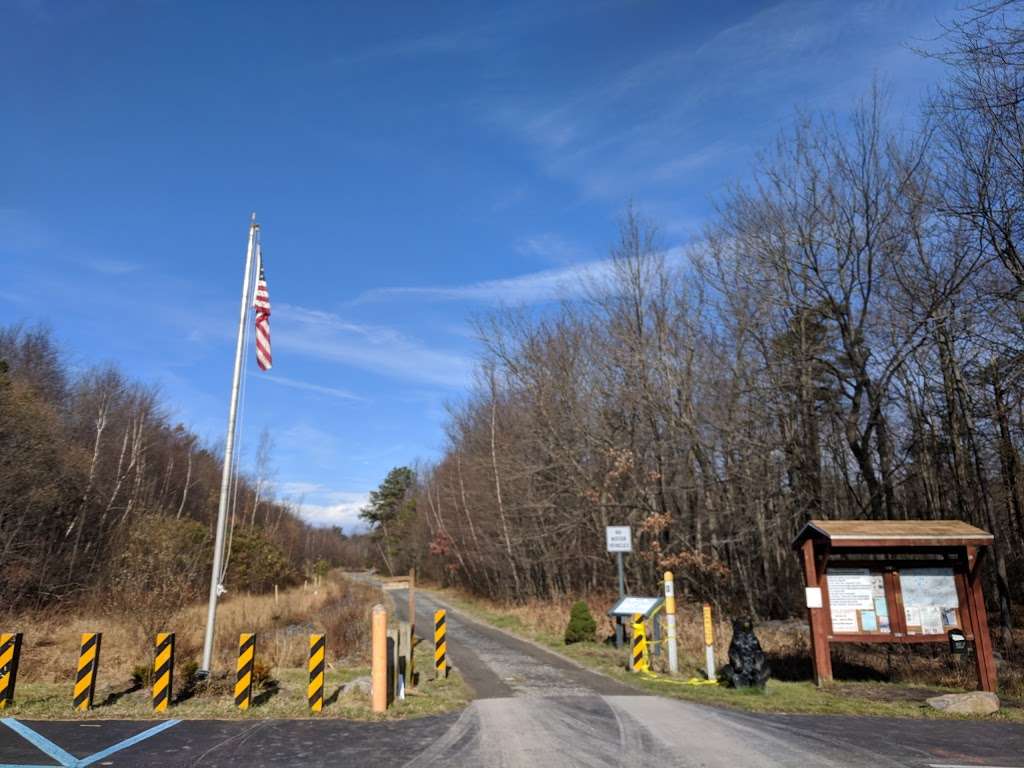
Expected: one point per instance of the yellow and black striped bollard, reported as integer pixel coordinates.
(10, 653)
(315, 692)
(440, 646)
(88, 669)
(163, 671)
(246, 661)
(638, 657)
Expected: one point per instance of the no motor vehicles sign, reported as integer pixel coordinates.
(619, 538)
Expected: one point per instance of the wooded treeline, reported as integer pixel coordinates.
(103, 496)
(845, 341)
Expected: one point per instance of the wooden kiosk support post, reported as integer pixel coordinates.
(894, 581)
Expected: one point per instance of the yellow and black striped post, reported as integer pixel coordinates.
(10, 653)
(638, 658)
(315, 691)
(163, 671)
(246, 661)
(440, 645)
(88, 669)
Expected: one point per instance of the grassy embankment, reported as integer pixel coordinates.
(871, 681)
(338, 608)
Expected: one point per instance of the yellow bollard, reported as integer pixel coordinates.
(440, 645)
(670, 621)
(638, 656)
(709, 642)
(10, 654)
(163, 671)
(246, 662)
(88, 667)
(379, 668)
(315, 690)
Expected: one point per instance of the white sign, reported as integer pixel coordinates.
(670, 589)
(851, 588)
(628, 606)
(619, 538)
(856, 597)
(814, 599)
(844, 620)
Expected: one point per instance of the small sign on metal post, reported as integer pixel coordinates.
(619, 538)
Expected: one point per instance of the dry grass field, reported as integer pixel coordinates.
(338, 607)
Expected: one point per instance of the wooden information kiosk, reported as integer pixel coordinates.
(894, 581)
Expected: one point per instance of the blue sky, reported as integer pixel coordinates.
(413, 165)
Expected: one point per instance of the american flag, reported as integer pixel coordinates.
(262, 307)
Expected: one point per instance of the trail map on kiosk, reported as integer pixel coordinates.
(627, 606)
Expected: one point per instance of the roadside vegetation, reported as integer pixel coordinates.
(104, 496)
(337, 607)
(892, 682)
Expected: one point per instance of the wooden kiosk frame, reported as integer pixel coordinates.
(891, 556)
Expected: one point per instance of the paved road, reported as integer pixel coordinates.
(543, 710)
(533, 709)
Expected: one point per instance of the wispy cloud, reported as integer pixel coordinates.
(341, 394)
(552, 247)
(575, 281)
(379, 349)
(666, 120)
(112, 266)
(21, 230)
(465, 40)
(532, 288)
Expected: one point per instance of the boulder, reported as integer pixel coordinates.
(359, 685)
(973, 703)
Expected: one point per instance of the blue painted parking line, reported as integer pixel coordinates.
(67, 760)
(40, 742)
(126, 743)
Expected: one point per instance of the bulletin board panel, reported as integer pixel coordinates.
(894, 581)
(897, 601)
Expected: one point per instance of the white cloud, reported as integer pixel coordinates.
(379, 349)
(340, 508)
(341, 394)
(297, 488)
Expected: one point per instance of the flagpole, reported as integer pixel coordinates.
(229, 448)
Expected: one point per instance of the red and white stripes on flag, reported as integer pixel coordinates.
(262, 306)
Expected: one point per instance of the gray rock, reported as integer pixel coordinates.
(359, 685)
(973, 703)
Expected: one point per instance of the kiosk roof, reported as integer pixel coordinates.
(893, 533)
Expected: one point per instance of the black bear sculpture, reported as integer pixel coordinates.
(747, 667)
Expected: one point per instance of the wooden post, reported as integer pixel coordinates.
(379, 668)
(987, 680)
(817, 618)
(412, 600)
(405, 652)
(392, 664)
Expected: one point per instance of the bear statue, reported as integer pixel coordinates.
(748, 666)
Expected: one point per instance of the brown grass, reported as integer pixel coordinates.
(339, 608)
